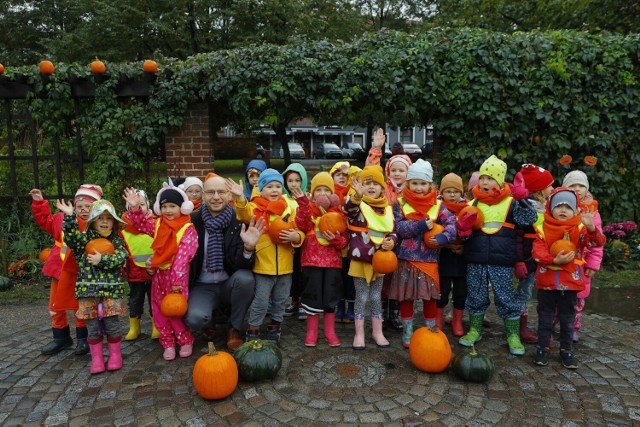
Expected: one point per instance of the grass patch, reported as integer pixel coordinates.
(613, 279)
(26, 292)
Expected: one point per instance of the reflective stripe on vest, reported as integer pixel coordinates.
(378, 225)
(495, 216)
(433, 211)
(575, 260)
(536, 226)
(179, 235)
(139, 247)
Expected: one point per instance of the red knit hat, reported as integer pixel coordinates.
(535, 177)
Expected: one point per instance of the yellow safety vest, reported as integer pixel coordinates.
(433, 211)
(316, 230)
(139, 247)
(495, 216)
(536, 226)
(179, 235)
(378, 225)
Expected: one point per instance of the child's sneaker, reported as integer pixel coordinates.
(291, 309)
(302, 315)
(542, 357)
(169, 353)
(186, 350)
(575, 337)
(252, 334)
(568, 360)
(273, 333)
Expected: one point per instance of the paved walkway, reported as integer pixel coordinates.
(320, 386)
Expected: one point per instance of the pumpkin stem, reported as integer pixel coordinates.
(322, 210)
(566, 236)
(212, 349)
(473, 351)
(286, 218)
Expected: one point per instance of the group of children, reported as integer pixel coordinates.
(446, 242)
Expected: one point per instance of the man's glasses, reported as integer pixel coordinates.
(221, 193)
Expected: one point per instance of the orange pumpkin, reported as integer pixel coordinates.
(102, 245)
(174, 305)
(437, 229)
(150, 66)
(46, 67)
(565, 160)
(429, 350)
(333, 222)
(565, 244)
(590, 160)
(98, 67)
(277, 225)
(44, 254)
(215, 374)
(479, 222)
(384, 262)
(1, 69)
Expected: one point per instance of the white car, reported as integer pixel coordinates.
(295, 151)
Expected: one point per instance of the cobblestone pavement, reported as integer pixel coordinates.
(320, 386)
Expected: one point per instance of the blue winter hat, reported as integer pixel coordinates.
(267, 176)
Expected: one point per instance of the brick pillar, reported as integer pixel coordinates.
(189, 150)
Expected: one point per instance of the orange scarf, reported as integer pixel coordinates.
(493, 198)
(342, 191)
(455, 207)
(430, 269)
(82, 224)
(197, 204)
(554, 230)
(380, 202)
(264, 208)
(164, 245)
(420, 202)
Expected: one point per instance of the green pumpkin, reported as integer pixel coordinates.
(258, 360)
(469, 365)
(5, 284)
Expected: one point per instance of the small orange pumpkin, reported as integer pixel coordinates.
(1, 69)
(215, 374)
(479, 222)
(174, 305)
(590, 160)
(102, 245)
(437, 229)
(44, 254)
(565, 160)
(564, 244)
(47, 67)
(333, 222)
(277, 225)
(150, 66)
(384, 262)
(429, 350)
(98, 67)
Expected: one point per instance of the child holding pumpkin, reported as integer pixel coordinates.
(565, 234)
(578, 182)
(321, 256)
(175, 242)
(490, 252)
(370, 224)
(423, 225)
(139, 248)
(100, 284)
(274, 252)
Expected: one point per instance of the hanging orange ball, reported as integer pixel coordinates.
(98, 67)
(150, 66)
(47, 67)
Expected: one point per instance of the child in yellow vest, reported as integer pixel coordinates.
(274, 258)
(175, 243)
(370, 223)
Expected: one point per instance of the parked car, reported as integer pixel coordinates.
(260, 153)
(295, 151)
(427, 150)
(353, 150)
(412, 150)
(326, 150)
(396, 149)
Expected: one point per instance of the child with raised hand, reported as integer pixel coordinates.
(175, 242)
(370, 223)
(491, 252)
(415, 213)
(100, 285)
(560, 272)
(274, 259)
(321, 259)
(578, 182)
(539, 184)
(139, 248)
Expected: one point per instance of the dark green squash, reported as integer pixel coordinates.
(5, 283)
(258, 360)
(470, 365)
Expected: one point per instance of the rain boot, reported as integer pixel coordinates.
(431, 323)
(329, 330)
(311, 339)
(61, 340)
(115, 355)
(394, 315)
(82, 347)
(456, 323)
(439, 314)
(340, 311)
(358, 339)
(475, 330)
(97, 356)
(155, 334)
(526, 335)
(512, 327)
(349, 316)
(378, 335)
(407, 332)
(134, 329)
(274, 331)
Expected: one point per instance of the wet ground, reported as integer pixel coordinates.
(616, 302)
